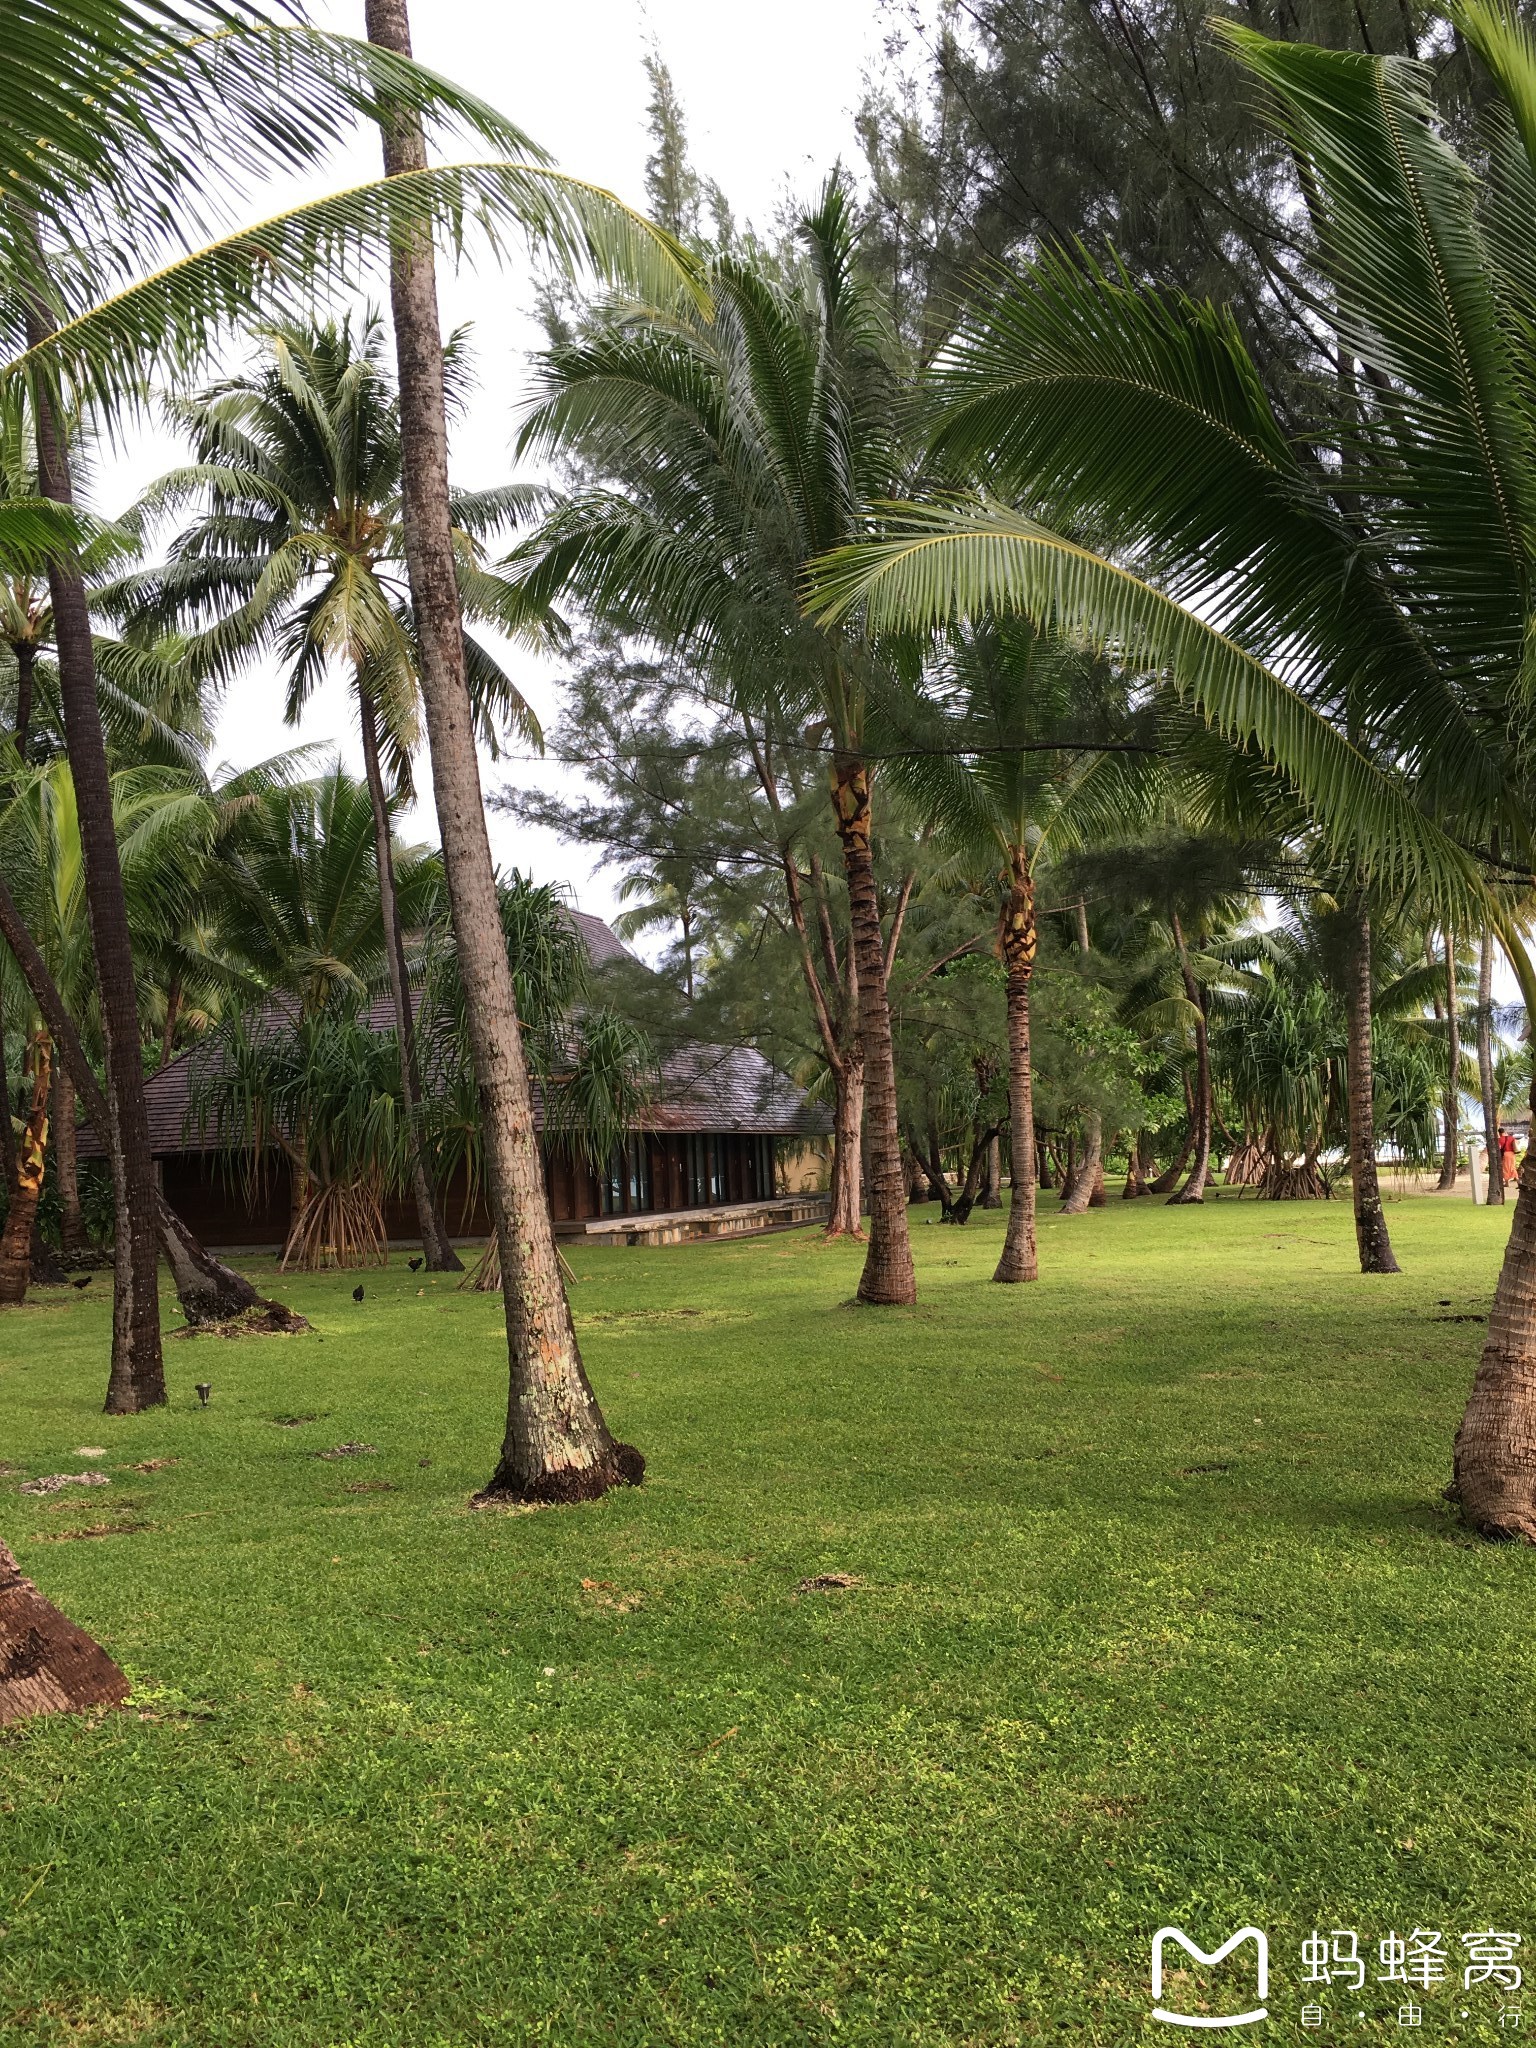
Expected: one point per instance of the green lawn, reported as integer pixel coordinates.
(1161, 1619)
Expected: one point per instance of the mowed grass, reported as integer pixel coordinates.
(1161, 1618)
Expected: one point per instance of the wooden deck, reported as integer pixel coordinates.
(678, 1226)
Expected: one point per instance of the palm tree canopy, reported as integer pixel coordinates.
(297, 546)
(136, 128)
(725, 447)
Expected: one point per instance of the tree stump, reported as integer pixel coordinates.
(47, 1665)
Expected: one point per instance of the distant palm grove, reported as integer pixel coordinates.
(1045, 661)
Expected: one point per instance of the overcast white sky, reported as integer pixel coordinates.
(769, 95)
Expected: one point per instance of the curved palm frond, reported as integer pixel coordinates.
(967, 561)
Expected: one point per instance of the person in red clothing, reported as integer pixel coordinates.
(1507, 1162)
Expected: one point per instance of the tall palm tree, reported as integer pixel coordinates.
(556, 1445)
(170, 116)
(297, 548)
(729, 448)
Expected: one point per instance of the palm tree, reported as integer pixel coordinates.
(170, 112)
(299, 549)
(160, 817)
(730, 449)
(997, 765)
(289, 902)
(666, 892)
(556, 1445)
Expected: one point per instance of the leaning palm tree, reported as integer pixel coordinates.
(297, 549)
(159, 816)
(727, 449)
(1396, 598)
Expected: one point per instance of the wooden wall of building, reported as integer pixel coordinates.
(657, 1171)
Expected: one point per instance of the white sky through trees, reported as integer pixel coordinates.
(768, 94)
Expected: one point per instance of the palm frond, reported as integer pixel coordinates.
(939, 566)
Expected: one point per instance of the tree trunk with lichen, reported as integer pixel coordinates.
(844, 1219)
(1017, 939)
(888, 1279)
(26, 1178)
(1371, 1236)
(556, 1446)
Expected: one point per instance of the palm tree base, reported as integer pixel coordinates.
(47, 1664)
(566, 1486)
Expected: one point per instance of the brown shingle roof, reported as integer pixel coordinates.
(703, 1087)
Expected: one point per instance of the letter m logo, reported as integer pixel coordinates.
(1210, 1960)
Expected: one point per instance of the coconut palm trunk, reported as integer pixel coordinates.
(137, 1377)
(1485, 1079)
(887, 1278)
(66, 1165)
(557, 1447)
(172, 1017)
(1088, 1180)
(26, 1179)
(26, 669)
(1452, 1111)
(1495, 1454)
(1087, 1173)
(440, 1254)
(1375, 1245)
(992, 1185)
(844, 1216)
(7, 1135)
(1017, 941)
(1193, 1189)
(1169, 1177)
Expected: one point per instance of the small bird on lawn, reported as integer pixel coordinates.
(85, 1282)
(357, 1293)
(414, 1264)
